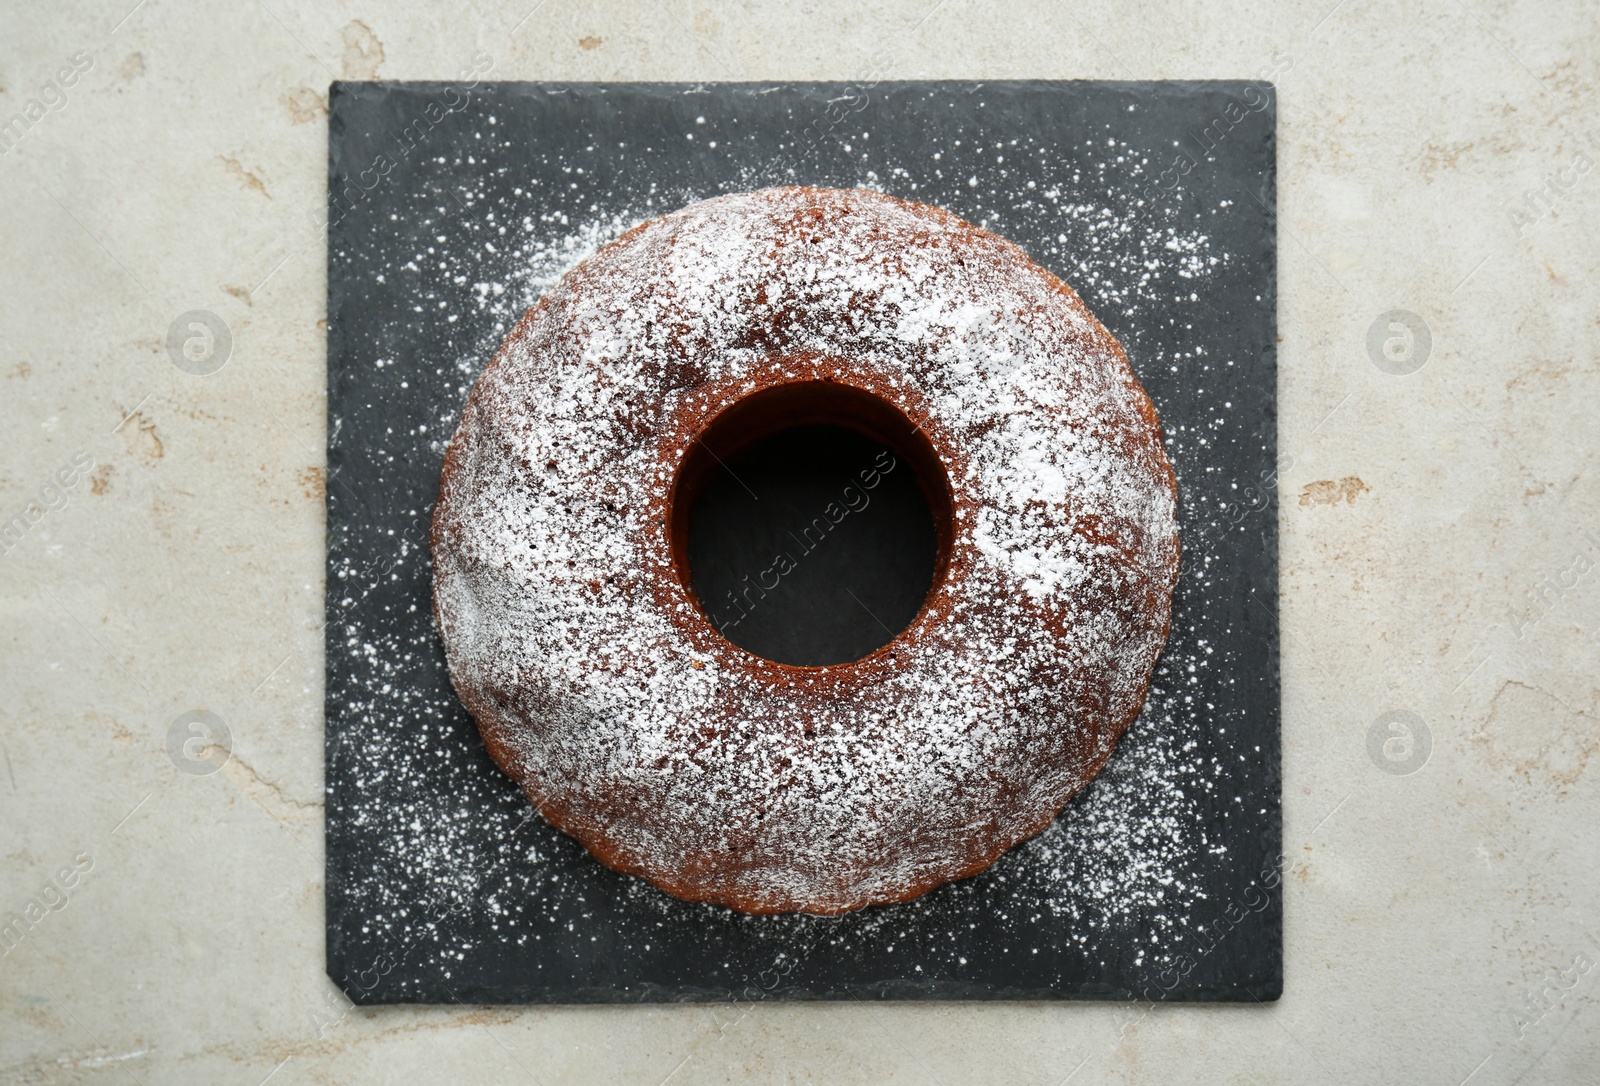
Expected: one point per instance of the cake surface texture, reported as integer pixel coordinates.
(571, 629)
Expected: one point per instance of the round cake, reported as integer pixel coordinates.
(564, 597)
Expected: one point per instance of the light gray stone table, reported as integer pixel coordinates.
(1440, 533)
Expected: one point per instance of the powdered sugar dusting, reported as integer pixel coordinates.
(825, 790)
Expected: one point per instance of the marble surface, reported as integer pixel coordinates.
(1440, 526)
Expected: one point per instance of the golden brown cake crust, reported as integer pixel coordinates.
(671, 754)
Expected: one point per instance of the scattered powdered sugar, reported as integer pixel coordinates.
(1121, 857)
(823, 790)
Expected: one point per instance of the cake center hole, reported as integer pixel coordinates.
(813, 543)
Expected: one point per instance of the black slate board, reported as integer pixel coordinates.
(450, 206)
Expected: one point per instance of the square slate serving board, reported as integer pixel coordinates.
(452, 205)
